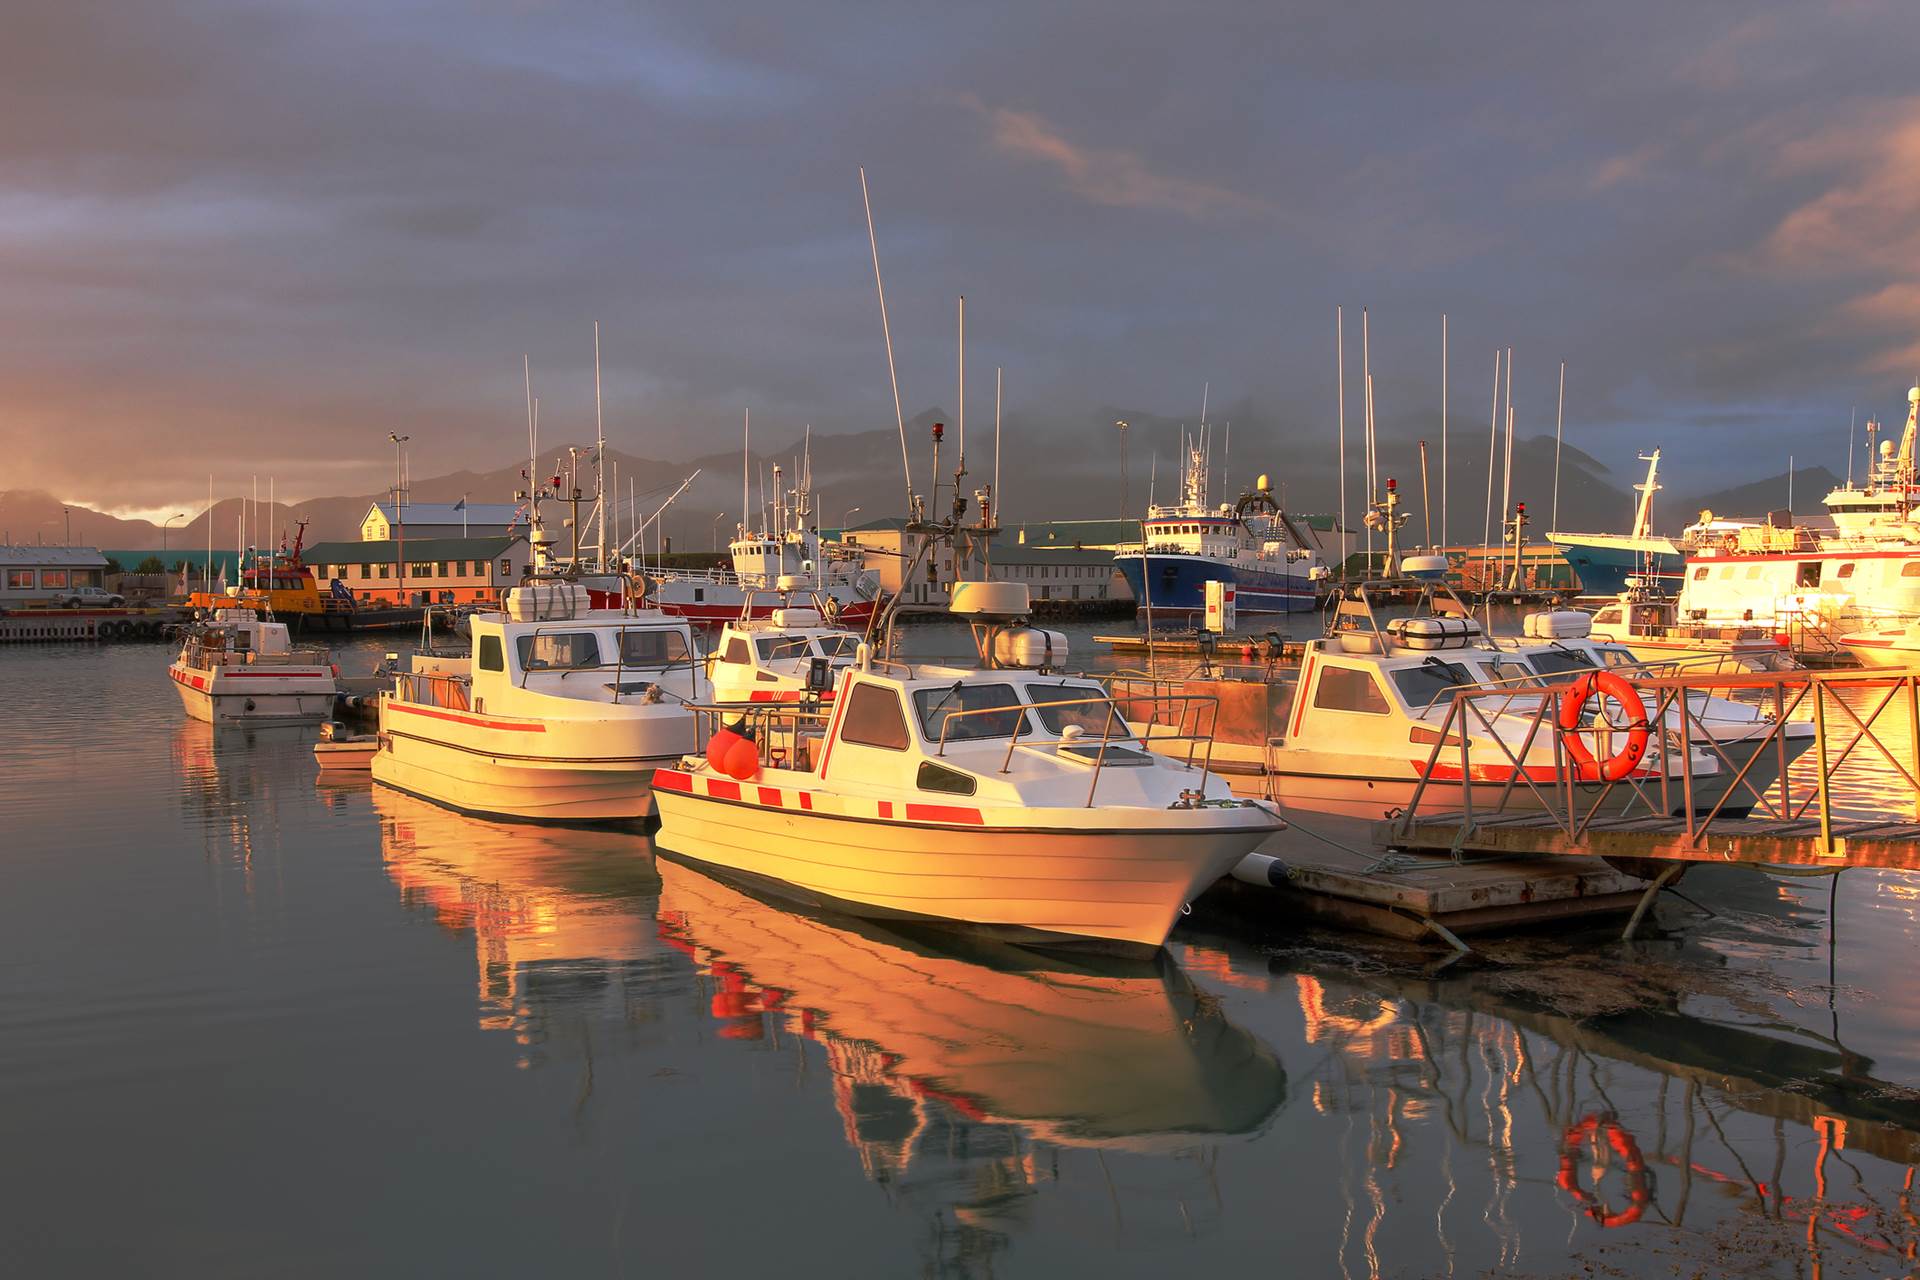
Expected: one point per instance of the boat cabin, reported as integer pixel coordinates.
(780, 658)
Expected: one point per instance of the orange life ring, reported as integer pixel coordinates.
(1612, 685)
(1639, 1192)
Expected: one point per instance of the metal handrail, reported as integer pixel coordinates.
(1673, 698)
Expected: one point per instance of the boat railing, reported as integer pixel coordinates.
(447, 692)
(1870, 709)
(783, 731)
(689, 660)
(1111, 718)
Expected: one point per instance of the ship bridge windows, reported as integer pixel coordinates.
(559, 651)
(1420, 686)
(1809, 574)
(1351, 689)
(873, 719)
(651, 648)
(940, 711)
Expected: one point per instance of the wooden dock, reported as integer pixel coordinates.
(1887, 844)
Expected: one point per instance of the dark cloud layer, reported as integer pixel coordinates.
(250, 237)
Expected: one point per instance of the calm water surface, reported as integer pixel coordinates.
(256, 1024)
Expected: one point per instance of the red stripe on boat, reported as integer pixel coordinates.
(806, 800)
(509, 726)
(770, 795)
(886, 808)
(942, 813)
(723, 789)
(672, 780)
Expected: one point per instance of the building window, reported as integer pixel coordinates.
(20, 579)
(506, 569)
(56, 578)
(440, 569)
(366, 571)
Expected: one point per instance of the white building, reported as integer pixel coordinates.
(33, 573)
(460, 519)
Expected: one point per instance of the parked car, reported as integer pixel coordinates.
(90, 598)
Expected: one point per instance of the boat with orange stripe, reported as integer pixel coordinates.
(1006, 798)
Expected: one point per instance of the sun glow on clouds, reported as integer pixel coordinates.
(1111, 176)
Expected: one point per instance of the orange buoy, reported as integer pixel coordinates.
(1573, 707)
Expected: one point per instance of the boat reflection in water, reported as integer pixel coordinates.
(965, 1081)
(560, 919)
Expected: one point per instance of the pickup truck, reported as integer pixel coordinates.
(89, 598)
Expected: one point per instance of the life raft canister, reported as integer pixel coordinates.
(1573, 707)
(1639, 1189)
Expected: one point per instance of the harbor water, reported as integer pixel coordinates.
(253, 1022)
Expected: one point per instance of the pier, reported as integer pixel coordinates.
(75, 626)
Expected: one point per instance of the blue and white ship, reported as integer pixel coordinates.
(1251, 544)
(1604, 561)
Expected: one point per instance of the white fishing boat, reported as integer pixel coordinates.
(1885, 646)
(786, 549)
(239, 668)
(1005, 798)
(557, 712)
(1654, 631)
(1354, 733)
(786, 655)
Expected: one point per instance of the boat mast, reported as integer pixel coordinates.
(1444, 487)
(1558, 417)
(1340, 367)
(886, 330)
(1643, 509)
(599, 464)
(1366, 420)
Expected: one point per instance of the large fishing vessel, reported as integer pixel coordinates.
(1251, 544)
(283, 585)
(1604, 561)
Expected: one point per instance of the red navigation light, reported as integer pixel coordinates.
(939, 430)
(1392, 484)
(1520, 508)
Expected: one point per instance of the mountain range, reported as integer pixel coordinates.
(1074, 473)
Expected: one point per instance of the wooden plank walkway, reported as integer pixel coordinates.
(1883, 843)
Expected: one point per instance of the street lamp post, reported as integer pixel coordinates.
(178, 515)
(718, 516)
(400, 511)
(846, 521)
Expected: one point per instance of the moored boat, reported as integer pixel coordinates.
(1007, 799)
(237, 667)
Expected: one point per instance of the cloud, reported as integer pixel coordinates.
(1112, 176)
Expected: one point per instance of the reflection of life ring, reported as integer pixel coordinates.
(1612, 685)
(1639, 1193)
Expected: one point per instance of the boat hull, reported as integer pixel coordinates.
(1178, 584)
(221, 697)
(547, 770)
(1120, 887)
(1604, 565)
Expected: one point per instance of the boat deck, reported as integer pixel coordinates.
(1888, 844)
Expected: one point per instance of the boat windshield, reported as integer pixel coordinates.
(652, 648)
(776, 648)
(1420, 686)
(1561, 662)
(1512, 673)
(559, 651)
(1614, 656)
(1094, 716)
(939, 711)
(841, 646)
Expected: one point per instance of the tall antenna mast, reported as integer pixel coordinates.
(1443, 429)
(1559, 415)
(1366, 424)
(599, 460)
(886, 330)
(1493, 434)
(746, 466)
(963, 383)
(999, 502)
(1340, 364)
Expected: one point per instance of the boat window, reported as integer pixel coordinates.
(1846, 570)
(1911, 569)
(1348, 689)
(1093, 717)
(773, 648)
(873, 718)
(950, 782)
(1607, 616)
(1700, 574)
(1753, 571)
(1618, 657)
(938, 707)
(559, 651)
(1421, 685)
(652, 648)
(838, 646)
(1559, 662)
(1511, 672)
(1809, 575)
(737, 651)
(491, 659)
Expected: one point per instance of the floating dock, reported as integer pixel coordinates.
(1892, 845)
(78, 626)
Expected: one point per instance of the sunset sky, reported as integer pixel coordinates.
(253, 237)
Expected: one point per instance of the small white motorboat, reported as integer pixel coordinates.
(1004, 798)
(239, 668)
(785, 655)
(558, 712)
(1897, 648)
